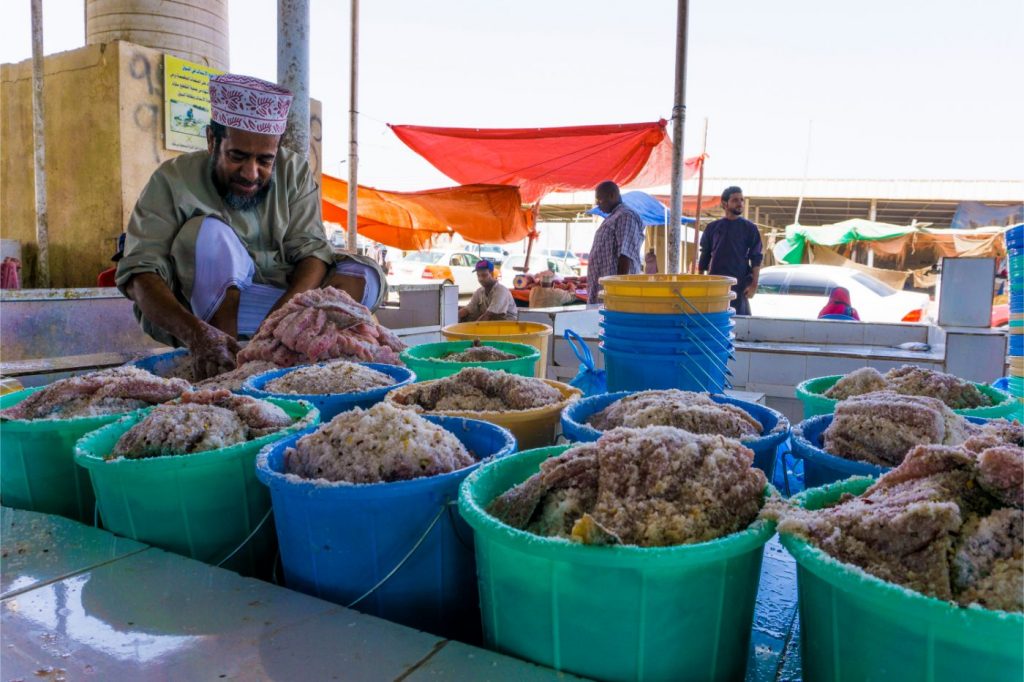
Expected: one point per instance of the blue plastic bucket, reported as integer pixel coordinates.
(338, 540)
(651, 320)
(775, 427)
(332, 404)
(666, 333)
(1017, 344)
(163, 364)
(695, 348)
(647, 371)
(822, 468)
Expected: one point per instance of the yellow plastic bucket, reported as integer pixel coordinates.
(531, 333)
(667, 286)
(668, 305)
(534, 428)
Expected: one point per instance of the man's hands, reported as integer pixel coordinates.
(213, 351)
(750, 290)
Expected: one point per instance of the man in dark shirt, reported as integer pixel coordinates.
(732, 246)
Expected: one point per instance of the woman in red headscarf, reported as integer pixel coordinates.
(839, 304)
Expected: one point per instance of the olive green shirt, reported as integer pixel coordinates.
(284, 229)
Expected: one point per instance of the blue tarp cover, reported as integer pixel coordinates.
(650, 209)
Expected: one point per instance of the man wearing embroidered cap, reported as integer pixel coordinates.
(220, 238)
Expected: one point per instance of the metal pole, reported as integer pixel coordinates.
(39, 141)
(353, 140)
(700, 198)
(293, 70)
(803, 184)
(678, 118)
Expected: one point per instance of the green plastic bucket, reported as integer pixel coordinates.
(612, 613)
(811, 392)
(854, 626)
(425, 360)
(37, 466)
(202, 505)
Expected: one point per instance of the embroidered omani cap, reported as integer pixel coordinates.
(249, 104)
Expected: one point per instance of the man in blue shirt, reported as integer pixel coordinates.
(731, 246)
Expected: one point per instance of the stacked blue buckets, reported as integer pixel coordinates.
(644, 351)
(1015, 252)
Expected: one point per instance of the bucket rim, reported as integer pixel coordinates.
(805, 448)
(665, 278)
(272, 478)
(522, 350)
(24, 425)
(570, 394)
(661, 357)
(538, 328)
(253, 386)
(870, 588)
(775, 436)
(85, 456)
(559, 549)
(814, 390)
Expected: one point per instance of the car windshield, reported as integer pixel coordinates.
(423, 257)
(875, 285)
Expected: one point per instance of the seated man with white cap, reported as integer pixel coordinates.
(220, 238)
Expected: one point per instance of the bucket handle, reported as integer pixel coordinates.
(244, 542)
(582, 352)
(437, 517)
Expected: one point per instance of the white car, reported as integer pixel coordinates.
(567, 258)
(538, 263)
(801, 291)
(422, 267)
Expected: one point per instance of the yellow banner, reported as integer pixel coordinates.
(186, 103)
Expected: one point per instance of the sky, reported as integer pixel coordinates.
(887, 90)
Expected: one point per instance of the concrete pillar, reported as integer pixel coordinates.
(293, 69)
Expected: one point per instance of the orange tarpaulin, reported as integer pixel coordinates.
(542, 160)
(482, 214)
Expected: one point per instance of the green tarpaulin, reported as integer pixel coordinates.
(792, 249)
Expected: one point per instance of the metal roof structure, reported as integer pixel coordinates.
(773, 201)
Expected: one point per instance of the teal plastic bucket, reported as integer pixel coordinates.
(203, 505)
(611, 613)
(854, 626)
(37, 466)
(821, 467)
(811, 394)
(629, 371)
(339, 540)
(774, 432)
(332, 404)
(425, 359)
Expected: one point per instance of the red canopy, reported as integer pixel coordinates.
(409, 221)
(542, 160)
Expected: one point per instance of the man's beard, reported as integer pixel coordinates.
(238, 202)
